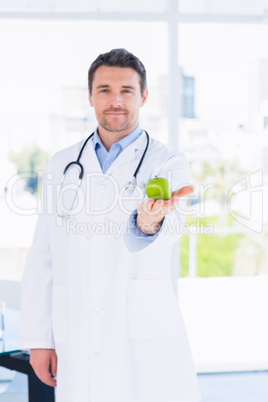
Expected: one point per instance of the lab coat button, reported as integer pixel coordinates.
(96, 352)
(97, 309)
(102, 186)
(96, 268)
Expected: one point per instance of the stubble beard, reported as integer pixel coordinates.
(112, 128)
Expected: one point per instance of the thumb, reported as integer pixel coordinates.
(53, 365)
(183, 191)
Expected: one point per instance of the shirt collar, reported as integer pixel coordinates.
(123, 143)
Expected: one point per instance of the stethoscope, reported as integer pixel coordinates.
(130, 186)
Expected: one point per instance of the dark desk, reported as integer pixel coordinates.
(14, 359)
(19, 361)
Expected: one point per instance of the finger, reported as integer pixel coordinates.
(183, 191)
(45, 376)
(157, 207)
(47, 379)
(174, 201)
(169, 206)
(146, 206)
(53, 365)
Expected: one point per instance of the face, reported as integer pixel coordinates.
(116, 97)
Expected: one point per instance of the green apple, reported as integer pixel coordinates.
(158, 188)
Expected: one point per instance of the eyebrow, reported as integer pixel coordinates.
(128, 86)
(102, 86)
(107, 86)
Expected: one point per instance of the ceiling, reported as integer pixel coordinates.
(200, 7)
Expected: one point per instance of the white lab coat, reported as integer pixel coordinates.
(103, 299)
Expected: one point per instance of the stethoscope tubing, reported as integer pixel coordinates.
(78, 163)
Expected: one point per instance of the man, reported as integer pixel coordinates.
(98, 309)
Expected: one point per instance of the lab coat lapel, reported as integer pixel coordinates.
(90, 160)
(91, 163)
(129, 153)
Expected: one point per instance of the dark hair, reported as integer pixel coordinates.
(118, 58)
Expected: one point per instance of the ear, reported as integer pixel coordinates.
(144, 97)
(90, 100)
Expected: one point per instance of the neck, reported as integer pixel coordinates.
(108, 138)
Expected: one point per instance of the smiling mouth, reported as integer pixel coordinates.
(115, 113)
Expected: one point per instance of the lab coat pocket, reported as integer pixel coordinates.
(59, 313)
(152, 308)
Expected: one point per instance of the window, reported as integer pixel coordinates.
(225, 142)
(44, 105)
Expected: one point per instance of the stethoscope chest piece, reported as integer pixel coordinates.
(131, 186)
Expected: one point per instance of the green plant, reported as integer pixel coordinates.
(28, 162)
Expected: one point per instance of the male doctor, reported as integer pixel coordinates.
(98, 309)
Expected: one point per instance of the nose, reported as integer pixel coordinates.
(116, 100)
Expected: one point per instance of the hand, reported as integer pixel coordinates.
(151, 213)
(44, 363)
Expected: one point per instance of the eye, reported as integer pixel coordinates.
(127, 91)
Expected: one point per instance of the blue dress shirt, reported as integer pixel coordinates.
(106, 158)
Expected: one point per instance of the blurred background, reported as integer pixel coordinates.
(207, 68)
